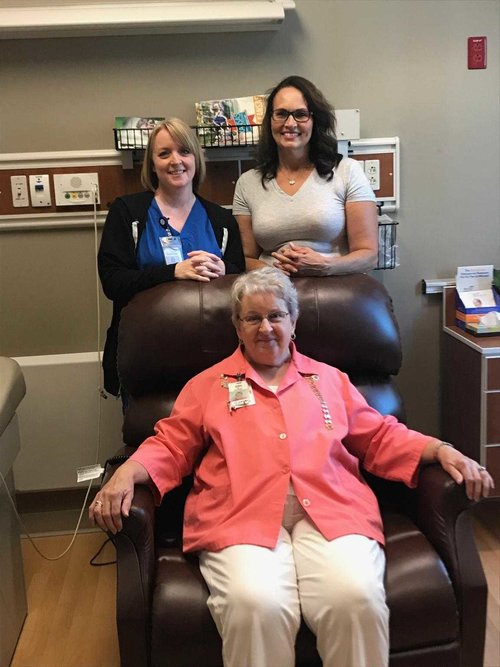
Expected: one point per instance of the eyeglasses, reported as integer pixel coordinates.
(299, 115)
(276, 317)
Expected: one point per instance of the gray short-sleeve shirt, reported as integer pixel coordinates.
(314, 216)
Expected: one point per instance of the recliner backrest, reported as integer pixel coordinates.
(174, 331)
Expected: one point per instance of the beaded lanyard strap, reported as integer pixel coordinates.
(327, 418)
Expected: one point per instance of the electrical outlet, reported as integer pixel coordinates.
(19, 187)
(40, 190)
(372, 171)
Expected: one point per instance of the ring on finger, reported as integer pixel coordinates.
(481, 468)
(98, 503)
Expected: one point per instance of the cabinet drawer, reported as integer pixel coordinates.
(493, 418)
(493, 366)
(493, 465)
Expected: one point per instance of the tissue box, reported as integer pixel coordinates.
(470, 318)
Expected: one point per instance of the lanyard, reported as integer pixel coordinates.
(164, 223)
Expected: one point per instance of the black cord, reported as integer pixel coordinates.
(96, 555)
(114, 460)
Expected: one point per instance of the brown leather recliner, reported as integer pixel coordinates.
(435, 585)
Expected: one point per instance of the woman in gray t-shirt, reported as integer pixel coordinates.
(305, 208)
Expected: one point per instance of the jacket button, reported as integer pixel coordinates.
(285, 470)
(306, 502)
(282, 436)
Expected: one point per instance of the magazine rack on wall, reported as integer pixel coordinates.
(214, 136)
(210, 136)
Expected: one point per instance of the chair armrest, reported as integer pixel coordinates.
(442, 514)
(138, 527)
(135, 566)
(439, 503)
(135, 563)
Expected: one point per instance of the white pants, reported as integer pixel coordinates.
(257, 596)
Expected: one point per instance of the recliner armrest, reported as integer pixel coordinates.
(135, 575)
(139, 526)
(443, 516)
(135, 548)
(439, 503)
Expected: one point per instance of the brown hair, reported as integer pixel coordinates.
(323, 147)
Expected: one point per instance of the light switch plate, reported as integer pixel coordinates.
(19, 187)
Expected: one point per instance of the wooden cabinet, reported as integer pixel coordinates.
(470, 391)
(222, 174)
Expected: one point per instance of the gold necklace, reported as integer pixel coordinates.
(290, 179)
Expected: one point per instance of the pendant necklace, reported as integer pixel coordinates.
(291, 181)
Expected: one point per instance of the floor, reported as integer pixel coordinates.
(71, 617)
(60, 633)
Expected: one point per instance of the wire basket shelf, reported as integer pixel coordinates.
(209, 136)
(388, 251)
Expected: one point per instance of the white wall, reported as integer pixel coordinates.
(64, 423)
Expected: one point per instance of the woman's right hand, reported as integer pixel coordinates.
(114, 499)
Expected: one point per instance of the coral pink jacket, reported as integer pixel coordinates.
(244, 459)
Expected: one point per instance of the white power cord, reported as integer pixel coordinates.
(30, 538)
(100, 393)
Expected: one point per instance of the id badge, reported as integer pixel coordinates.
(172, 249)
(240, 394)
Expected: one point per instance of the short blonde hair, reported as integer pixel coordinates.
(184, 136)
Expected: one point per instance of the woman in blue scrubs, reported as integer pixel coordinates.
(166, 233)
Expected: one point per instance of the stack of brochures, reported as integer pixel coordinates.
(477, 301)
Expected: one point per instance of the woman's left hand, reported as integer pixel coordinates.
(478, 482)
(207, 264)
(293, 258)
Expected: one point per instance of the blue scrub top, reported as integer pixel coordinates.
(197, 234)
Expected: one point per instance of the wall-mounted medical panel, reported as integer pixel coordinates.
(77, 189)
(78, 181)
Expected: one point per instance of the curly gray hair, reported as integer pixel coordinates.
(259, 281)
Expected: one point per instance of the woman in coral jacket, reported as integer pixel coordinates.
(166, 233)
(280, 515)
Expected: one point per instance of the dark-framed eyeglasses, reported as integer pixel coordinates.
(254, 320)
(299, 115)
